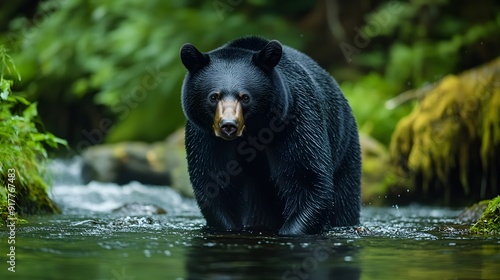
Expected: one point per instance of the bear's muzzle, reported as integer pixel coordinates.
(228, 121)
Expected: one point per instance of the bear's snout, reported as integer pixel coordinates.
(228, 120)
(229, 128)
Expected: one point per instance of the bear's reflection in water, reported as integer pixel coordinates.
(245, 256)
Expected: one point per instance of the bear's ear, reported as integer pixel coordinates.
(269, 56)
(192, 58)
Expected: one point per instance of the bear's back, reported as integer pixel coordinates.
(255, 44)
(291, 58)
(252, 43)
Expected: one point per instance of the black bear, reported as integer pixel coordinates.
(271, 142)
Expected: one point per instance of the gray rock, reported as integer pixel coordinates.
(160, 163)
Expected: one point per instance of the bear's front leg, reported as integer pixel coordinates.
(308, 196)
(216, 199)
(303, 175)
(219, 211)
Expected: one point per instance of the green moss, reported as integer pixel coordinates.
(489, 223)
(22, 154)
(448, 146)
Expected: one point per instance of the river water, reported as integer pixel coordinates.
(90, 241)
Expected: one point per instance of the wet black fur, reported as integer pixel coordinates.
(297, 168)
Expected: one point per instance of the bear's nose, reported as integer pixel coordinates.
(229, 128)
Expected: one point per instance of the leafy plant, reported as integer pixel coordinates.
(21, 149)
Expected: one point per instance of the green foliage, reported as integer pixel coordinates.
(126, 55)
(428, 60)
(428, 40)
(413, 44)
(21, 149)
(489, 223)
(367, 98)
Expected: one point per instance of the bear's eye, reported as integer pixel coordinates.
(213, 97)
(245, 98)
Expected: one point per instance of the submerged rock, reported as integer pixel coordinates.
(448, 149)
(132, 221)
(139, 209)
(160, 163)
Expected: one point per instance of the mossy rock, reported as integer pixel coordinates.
(489, 223)
(30, 197)
(27, 189)
(23, 173)
(375, 158)
(474, 212)
(448, 149)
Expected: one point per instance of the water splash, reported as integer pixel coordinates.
(75, 197)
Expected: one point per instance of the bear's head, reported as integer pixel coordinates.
(229, 89)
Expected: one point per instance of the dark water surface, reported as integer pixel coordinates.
(88, 241)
